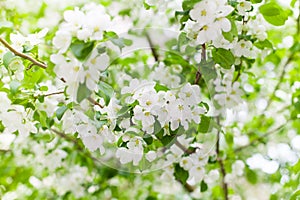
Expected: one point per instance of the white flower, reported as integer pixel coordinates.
(4, 102)
(257, 161)
(62, 40)
(242, 48)
(243, 6)
(238, 168)
(199, 158)
(98, 62)
(18, 41)
(204, 12)
(75, 19)
(212, 176)
(145, 117)
(133, 153)
(35, 39)
(186, 163)
(196, 175)
(90, 138)
(190, 94)
(151, 156)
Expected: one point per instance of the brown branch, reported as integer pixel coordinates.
(22, 55)
(76, 144)
(203, 58)
(258, 139)
(54, 93)
(290, 58)
(222, 168)
(153, 49)
(93, 101)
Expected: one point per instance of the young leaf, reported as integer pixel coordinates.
(208, 71)
(105, 91)
(14, 86)
(82, 92)
(7, 58)
(204, 125)
(61, 111)
(223, 57)
(81, 50)
(203, 186)
(273, 13)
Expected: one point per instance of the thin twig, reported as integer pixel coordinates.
(280, 80)
(22, 55)
(258, 139)
(222, 166)
(75, 142)
(203, 58)
(185, 150)
(54, 93)
(153, 49)
(93, 101)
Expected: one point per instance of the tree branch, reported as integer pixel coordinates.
(258, 139)
(153, 49)
(222, 167)
(22, 55)
(76, 144)
(203, 58)
(290, 58)
(93, 101)
(54, 93)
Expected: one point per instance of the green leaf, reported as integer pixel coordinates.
(256, 1)
(223, 57)
(44, 88)
(110, 35)
(159, 87)
(203, 186)
(207, 70)
(7, 58)
(204, 125)
(81, 50)
(295, 195)
(230, 35)
(121, 42)
(180, 174)
(105, 91)
(264, 44)
(82, 92)
(61, 111)
(251, 176)
(14, 86)
(101, 49)
(273, 13)
(148, 139)
(293, 2)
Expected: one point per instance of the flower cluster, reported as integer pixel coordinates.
(87, 24)
(228, 93)
(209, 20)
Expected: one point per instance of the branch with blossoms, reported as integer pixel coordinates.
(22, 55)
